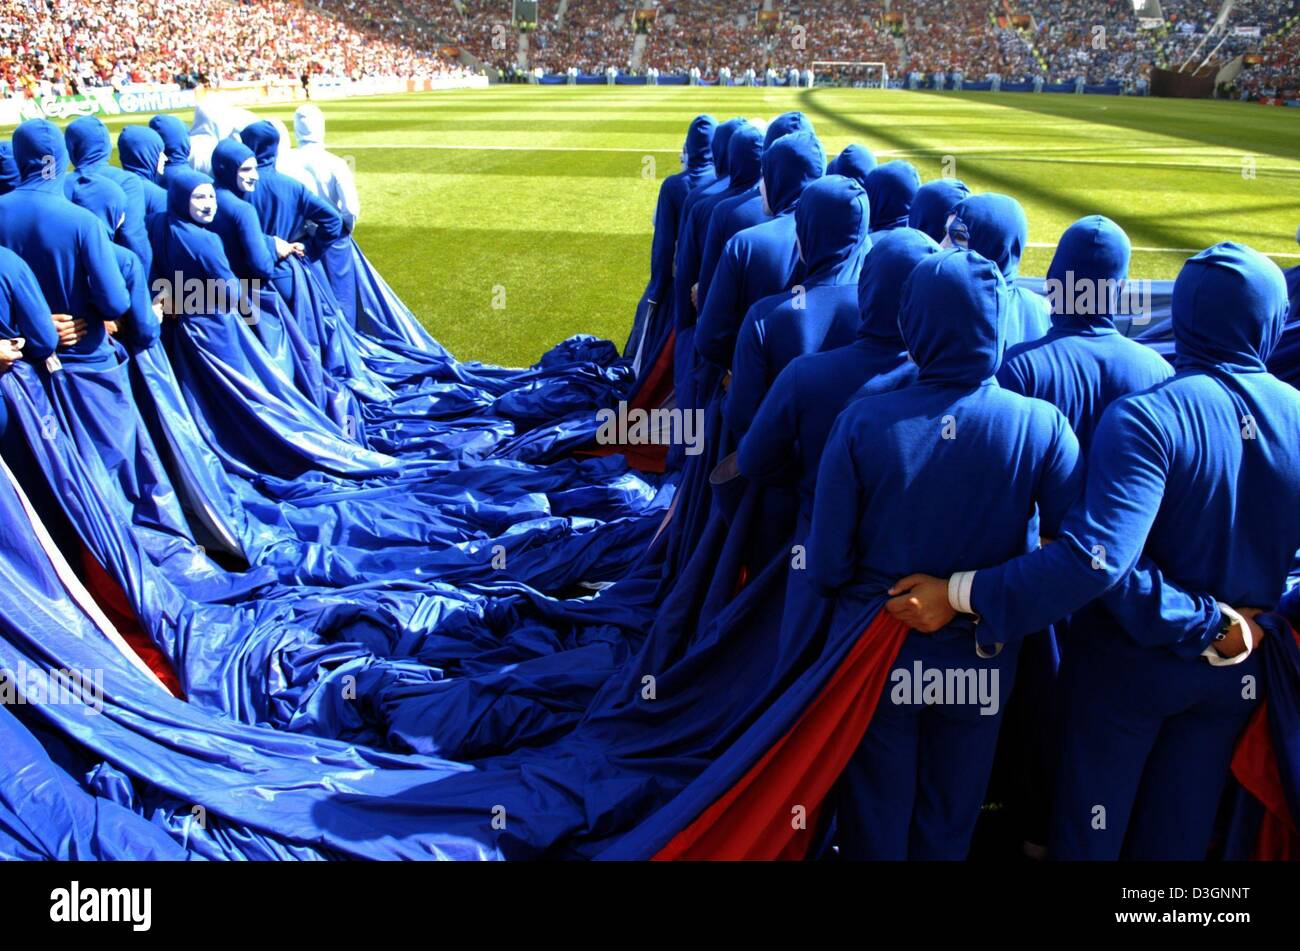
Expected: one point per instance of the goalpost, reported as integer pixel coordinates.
(846, 73)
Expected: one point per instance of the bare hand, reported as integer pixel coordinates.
(921, 602)
(285, 248)
(70, 329)
(695, 296)
(110, 327)
(1234, 642)
(10, 353)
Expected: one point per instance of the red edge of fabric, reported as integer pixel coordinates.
(1254, 765)
(112, 601)
(756, 818)
(658, 385)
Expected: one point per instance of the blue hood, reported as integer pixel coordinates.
(1229, 306)
(998, 229)
(933, 203)
(789, 164)
(88, 142)
(8, 168)
(176, 139)
(40, 154)
(699, 142)
(138, 148)
(101, 197)
(1093, 252)
(785, 124)
(745, 156)
(264, 139)
(891, 188)
(722, 145)
(226, 159)
(951, 318)
(831, 223)
(179, 189)
(855, 162)
(893, 257)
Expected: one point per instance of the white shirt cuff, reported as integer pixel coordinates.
(1218, 660)
(959, 586)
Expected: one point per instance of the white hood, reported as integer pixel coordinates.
(309, 125)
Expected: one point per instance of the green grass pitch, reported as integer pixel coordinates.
(542, 198)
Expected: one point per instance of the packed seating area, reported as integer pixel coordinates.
(63, 46)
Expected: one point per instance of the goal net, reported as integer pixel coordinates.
(856, 75)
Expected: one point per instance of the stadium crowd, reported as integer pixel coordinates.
(65, 45)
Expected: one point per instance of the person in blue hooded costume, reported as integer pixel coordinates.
(286, 208)
(821, 311)
(89, 148)
(9, 177)
(107, 202)
(796, 415)
(914, 788)
(64, 245)
(697, 171)
(759, 261)
(995, 226)
(140, 150)
(176, 145)
(934, 202)
(744, 165)
(1083, 364)
(735, 214)
(891, 189)
(855, 162)
(24, 316)
(1178, 523)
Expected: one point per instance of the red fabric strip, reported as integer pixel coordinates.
(757, 819)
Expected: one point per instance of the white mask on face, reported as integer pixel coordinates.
(247, 175)
(203, 205)
(762, 191)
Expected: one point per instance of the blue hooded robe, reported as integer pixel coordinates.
(176, 145)
(1084, 364)
(89, 148)
(745, 164)
(1181, 508)
(64, 245)
(759, 261)
(961, 443)
(9, 177)
(102, 198)
(138, 149)
(998, 229)
(855, 162)
(891, 189)
(933, 203)
(650, 330)
(735, 214)
(819, 313)
(23, 313)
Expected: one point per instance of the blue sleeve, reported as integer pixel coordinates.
(769, 451)
(664, 244)
(837, 510)
(329, 224)
(31, 313)
(748, 375)
(142, 328)
(104, 279)
(686, 271)
(1012, 378)
(1099, 547)
(711, 252)
(715, 331)
(258, 247)
(133, 235)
